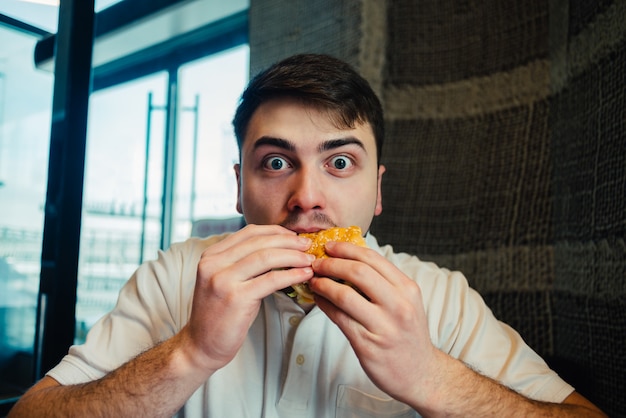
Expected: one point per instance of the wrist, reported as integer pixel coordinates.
(433, 394)
(190, 359)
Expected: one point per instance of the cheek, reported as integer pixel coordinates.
(259, 203)
(355, 203)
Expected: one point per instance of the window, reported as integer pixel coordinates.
(205, 179)
(25, 112)
(122, 199)
(126, 167)
(124, 171)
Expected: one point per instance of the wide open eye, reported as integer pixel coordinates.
(275, 163)
(341, 162)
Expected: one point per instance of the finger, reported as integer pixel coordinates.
(267, 259)
(370, 257)
(275, 280)
(359, 320)
(347, 300)
(246, 233)
(345, 322)
(250, 279)
(238, 249)
(363, 276)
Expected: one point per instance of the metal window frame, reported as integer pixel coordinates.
(22, 27)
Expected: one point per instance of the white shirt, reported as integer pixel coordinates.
(294, 364)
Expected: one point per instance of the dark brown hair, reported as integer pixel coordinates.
(321, 81)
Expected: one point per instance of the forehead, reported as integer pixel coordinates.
(298, 122)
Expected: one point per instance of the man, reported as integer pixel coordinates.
(207, 327)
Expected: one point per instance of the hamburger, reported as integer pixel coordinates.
(301, 291)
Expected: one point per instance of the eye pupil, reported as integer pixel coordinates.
(340, 163)
(276, 164)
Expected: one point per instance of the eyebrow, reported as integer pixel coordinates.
(340, 142)
(325, 146)
(274, 142)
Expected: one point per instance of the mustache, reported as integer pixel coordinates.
(295, 219)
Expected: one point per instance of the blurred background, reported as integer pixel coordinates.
(505, 155)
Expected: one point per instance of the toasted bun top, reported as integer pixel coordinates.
(351, 234)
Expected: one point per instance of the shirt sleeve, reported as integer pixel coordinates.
(476, 337)
(463, 326)
(152, 306)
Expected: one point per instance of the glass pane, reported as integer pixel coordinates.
(42, 13)
(209, 89)
(115, 234)
(25, 115)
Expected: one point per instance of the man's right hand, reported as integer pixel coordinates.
(233, 277)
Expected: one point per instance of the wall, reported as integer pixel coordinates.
(505, 154)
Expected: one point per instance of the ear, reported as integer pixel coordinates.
(379, 195)
(237, 169)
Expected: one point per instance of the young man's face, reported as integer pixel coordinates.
(300, 171)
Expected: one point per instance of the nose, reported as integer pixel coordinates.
(307, 192)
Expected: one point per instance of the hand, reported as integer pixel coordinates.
(389, 332)
(233, 277)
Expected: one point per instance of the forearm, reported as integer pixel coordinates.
(155, 383)
(460, 391)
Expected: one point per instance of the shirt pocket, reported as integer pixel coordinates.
(353, 403)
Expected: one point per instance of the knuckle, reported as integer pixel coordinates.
(413, 291)
(343, 298)
(405, 312)
(360, 270)
(264, 256)
(221, 287)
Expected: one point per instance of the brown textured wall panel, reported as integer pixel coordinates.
(281, 28)
(589, 142)
(468, 184)
(435, 41)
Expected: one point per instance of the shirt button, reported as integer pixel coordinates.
(294, 320)
(300, 359)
